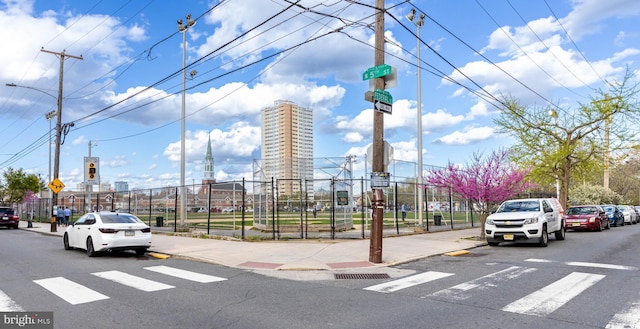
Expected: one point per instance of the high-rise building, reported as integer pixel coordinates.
(121, 186)
(287, 145)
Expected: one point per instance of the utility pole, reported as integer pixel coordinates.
(377, 161)
(56, 165)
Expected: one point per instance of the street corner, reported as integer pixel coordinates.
(158, 255)
(457, 253)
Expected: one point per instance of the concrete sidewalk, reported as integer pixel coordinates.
(300, 255)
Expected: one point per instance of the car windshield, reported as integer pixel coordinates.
(512, 206)
(609, 209)
(582, 211)
(119, 218)
(6, 211)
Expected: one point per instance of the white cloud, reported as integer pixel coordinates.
(469, 135)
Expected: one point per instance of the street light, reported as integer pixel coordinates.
(183, 28)
(48, 116)
(419, 22)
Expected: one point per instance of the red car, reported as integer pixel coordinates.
(8, 218)
(589, 217)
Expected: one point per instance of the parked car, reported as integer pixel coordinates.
(8, 218)
(228, 210)
(526, 220)
(108, 231)
(586, 217)
(629, 214)
(615, 215)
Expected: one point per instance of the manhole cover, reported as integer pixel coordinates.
(360, 276)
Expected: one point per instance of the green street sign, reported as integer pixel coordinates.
(377, 71)
(383, 96)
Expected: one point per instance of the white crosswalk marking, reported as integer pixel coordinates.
(548, 299)
(461, 291)
(133, 281)
(409, 281)
(8, 305)
(183, 274)
(627, 319)
(70, 291)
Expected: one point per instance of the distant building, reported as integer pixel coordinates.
(121, 186)
(223, 195)
(287, 145)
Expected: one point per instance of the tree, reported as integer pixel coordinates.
(18, 183)
(594, 194)
(561, 143)
(485, 183)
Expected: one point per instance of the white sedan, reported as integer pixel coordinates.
(629, 214)
(108, 231)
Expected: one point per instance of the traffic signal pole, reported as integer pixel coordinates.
(377, 161)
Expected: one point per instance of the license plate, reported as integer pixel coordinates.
(508, 236)
(576, 224)
(129, 233)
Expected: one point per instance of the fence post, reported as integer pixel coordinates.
(244, 207)
(209, 212)
(396, 207)
(451, 206)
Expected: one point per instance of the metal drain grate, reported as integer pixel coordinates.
(360, 276)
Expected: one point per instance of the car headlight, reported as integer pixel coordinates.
(489, 221)
(532, 220)
(592, 220)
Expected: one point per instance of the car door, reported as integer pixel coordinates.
(81, 230)
(551, 215)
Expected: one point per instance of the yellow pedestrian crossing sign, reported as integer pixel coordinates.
(56, 185)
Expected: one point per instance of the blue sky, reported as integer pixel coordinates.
(124, 95)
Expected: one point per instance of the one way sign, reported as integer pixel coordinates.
(382, 107)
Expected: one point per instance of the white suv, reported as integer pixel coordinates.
(526, 220)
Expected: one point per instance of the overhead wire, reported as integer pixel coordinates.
(574, 44)
(547, 47)
(524, 51)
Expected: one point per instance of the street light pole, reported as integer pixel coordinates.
(50, 116)
(419, 24)
(183, 195)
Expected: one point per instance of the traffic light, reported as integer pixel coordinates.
(92, 170)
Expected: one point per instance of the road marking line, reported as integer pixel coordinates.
(600, 265)
(132, 281)
(70, 291)
(459, 292)
(407, 282)
(586, 264)
(183, 274)
(8, 305)
(536, 260)
(548, 299)
(629, 318)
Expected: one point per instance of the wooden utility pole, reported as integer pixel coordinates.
(56, 162)
(377, 161)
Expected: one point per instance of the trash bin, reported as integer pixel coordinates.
(437, 220)
(159, 221)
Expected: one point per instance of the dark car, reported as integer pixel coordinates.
(587, 217)
(8, 218)
(615, 215)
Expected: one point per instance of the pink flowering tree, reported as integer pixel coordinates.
(484, 182)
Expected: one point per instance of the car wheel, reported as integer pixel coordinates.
(66, 242)
(544, 238)
(141, 252)
(90, 251)
(560, 234)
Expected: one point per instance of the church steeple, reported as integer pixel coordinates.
(209, 175)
